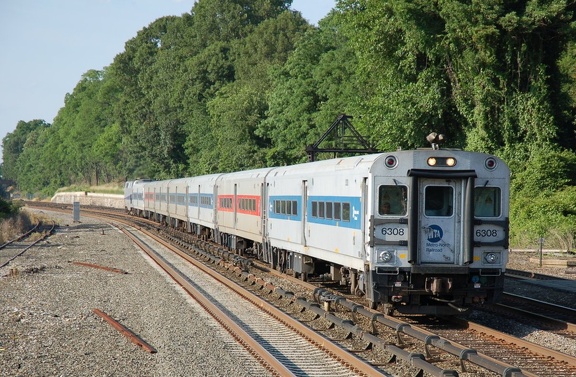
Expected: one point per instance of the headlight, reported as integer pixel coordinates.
(441, 161)
(386, 256)
(492, 258)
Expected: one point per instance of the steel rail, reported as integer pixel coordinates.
(265, 358)
(125, 331)
(20, 237)
(543, 351)
(569, 326)
(30, 246)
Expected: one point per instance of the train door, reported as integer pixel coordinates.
(441, 214)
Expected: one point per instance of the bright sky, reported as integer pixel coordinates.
(49, 44)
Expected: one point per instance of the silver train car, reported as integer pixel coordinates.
(415, 231)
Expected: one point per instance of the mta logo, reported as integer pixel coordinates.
(434, 233)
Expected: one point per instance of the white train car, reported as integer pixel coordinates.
(439, 234)
(316, 210)
(156, 203)
(239, 219)
(421, 231)
(177, 206)
(134, 196)
(202, 195)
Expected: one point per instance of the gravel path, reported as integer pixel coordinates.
(48, 328)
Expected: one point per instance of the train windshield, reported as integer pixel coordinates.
(439, 201)
(392, 200)
(487, 202)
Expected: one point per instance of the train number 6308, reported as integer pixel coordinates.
(486, 233)
(392, 231)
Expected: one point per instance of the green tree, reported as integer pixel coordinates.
(13, 146)
(239, 107)
(314, 86)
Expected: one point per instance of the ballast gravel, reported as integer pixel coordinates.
(48, 327)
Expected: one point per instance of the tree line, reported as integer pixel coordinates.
(239, 84)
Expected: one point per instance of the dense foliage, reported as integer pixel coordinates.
(238, 84)
(8, 208)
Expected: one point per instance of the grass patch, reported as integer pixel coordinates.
(111, 188)
(16, 225)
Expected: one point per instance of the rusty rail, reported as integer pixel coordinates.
(125, 331)
(112, 269)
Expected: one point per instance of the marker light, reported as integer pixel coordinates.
(391, 162)
(490, 163)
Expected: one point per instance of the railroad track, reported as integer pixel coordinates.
(14, 248)
(283, 346)
(363, 330)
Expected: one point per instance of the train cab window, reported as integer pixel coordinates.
(487, 202)
(392, 200)
(438, 200)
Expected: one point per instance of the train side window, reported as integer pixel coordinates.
(337, 211)
(345, 211)
(329, 210)
(438, 200)
(295, 208)
(392, 200)
(314, 209)
(321, 209)
(487, 202)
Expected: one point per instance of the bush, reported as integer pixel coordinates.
(551, 215)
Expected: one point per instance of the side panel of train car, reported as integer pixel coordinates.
(316, 210)
(177, 206)
(202, 193)
(134, 196)
(239, 208)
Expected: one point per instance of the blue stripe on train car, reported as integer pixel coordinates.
(285, 207)
(202, 200)
(340, 211)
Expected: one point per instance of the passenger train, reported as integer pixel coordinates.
(420, 231)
